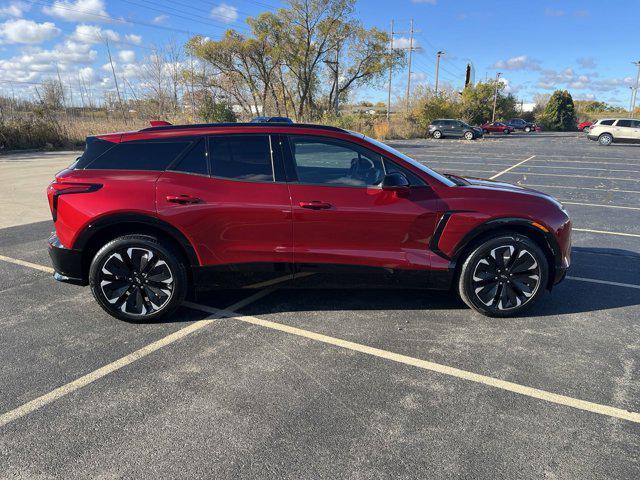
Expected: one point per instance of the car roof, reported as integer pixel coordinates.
(259, 125)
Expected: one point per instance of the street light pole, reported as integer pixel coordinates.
(495, 98)
(390, 74)
(438, 55)
(635, 90)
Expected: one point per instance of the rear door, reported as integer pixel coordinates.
(227, 194)
(625, 129)
(343, 217)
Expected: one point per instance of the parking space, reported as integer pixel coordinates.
(333, 377)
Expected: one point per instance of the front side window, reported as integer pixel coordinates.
(326, 162)
(241, 157)
(154, 156)
(623, 123)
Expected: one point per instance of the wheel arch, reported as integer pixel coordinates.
(98, 233)
(522, 226)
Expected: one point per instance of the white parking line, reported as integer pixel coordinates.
(511, 168)
(484, 164)
(602, 190)
(606, 232)
(24, 263)
(440, 368)
(574, 176)
(623, 207)
(101, 372)
(603, 282)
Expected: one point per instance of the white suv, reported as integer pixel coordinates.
(609, 130)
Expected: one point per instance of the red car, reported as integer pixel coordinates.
(497, 127)
(142, 217)
(584, 126)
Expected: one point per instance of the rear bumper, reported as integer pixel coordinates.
(67, 262)
(592, 137)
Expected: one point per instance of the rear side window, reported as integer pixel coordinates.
(139, 156)
(195, 160)
(241, 157)
(606, 122)
(93, 149)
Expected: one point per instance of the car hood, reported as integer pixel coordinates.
(508, 187)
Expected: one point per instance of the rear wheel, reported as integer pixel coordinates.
(527, 129)
(468, 135)
(437, 134)
(503, 276)
(506, 131)
(605, 139)
(137, 278)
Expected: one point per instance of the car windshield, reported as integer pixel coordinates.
(410, 160)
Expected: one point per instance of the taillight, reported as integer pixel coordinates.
(55, 190)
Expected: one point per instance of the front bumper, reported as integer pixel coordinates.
(67, 262)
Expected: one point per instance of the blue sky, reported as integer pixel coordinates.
(537, 45)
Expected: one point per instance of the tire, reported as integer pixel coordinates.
(468, 135)
(138, 279)
(605, 139)
(527, 129)
(506, 131)
(496, 284)
(437, 134)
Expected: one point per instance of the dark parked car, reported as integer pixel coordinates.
(497, 127)
(271, 120)
(454, 128)
(520, 124)
(141, 217)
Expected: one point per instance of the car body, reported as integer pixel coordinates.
(615, 130)
(449, 127)
(271, 120)
(520, 124)
(584, 126)
(221, 205)
(497, 127)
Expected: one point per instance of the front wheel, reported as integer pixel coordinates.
(503, 276)
(437, 134)
(506, 131)
(468, 135)
(527, 129)
(137, 278)
(605, 139)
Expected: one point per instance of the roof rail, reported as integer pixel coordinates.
(254, 125)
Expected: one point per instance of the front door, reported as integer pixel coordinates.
(343, 217)
(232, 208)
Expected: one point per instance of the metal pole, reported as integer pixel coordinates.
(410, 52)
(495, 98)
(438, 54)
(390, 73)
(635, 90)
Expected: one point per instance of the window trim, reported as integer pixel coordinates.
(227, 135)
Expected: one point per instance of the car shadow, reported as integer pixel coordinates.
(323, 292)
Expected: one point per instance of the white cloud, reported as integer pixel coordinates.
(522, 62)
(127, 56)
(552, 12)
(404, 42)
(14, 9)
(225, 13)
(160, 19)
(78, 10)
(132, 38)
(27, 31)
(93, 34)
(586, 62)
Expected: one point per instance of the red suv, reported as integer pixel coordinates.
(144, 216)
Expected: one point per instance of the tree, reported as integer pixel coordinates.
(560, 114)
(477, 103)
(215, 112)
(429, 106)
(52, 94)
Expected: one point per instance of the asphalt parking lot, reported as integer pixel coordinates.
(324, 381)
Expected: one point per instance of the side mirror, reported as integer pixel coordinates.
(395, 182)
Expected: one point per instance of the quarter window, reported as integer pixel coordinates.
(327, 162)
(414, 180)
(241, 157)
(139, 156)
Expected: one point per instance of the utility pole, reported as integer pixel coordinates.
(438, 55)
(115, 80)
(635, 90)
(390, 74)
(410, 52)
(495, 98)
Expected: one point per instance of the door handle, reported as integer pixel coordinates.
(315, 205)
(183, 199)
